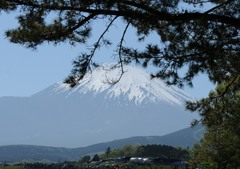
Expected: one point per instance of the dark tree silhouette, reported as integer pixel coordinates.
(108, 151)
(203, 41)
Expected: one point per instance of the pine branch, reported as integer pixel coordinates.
(149, 16)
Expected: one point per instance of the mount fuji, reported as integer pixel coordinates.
(95, 111)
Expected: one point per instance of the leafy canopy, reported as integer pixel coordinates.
(204, 41)
(220, 147)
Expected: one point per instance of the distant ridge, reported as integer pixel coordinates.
(185, 138)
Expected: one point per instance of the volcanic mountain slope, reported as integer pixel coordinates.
(135, 86)
(95, 111)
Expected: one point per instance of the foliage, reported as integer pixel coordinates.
(154, 150)
(108, 151)
(222, 106)
(96, 157)
(220, 147)
(116, 153)
(85, 159)
(163, 151)
(130, 150)
(218, 150)
(127, 150)
(205, 40)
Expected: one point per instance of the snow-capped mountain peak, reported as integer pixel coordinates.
(95, 111)
(135, 84)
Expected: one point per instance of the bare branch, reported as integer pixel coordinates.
(97, 44)
(112, 82)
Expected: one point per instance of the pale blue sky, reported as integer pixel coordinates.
(24, 72)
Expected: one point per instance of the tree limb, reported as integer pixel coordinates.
(146, 16)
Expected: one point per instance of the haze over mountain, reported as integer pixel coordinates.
(95, 111)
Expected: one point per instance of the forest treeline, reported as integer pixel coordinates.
(151, 151)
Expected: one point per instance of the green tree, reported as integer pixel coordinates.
(85, 159)
(220, 147)
(108, 151)
(163, 151)
(126, 150)
(129, 150)
(96, 157)
(116, 153)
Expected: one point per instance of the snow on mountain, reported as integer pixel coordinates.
(95, 111)
(135, 84)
